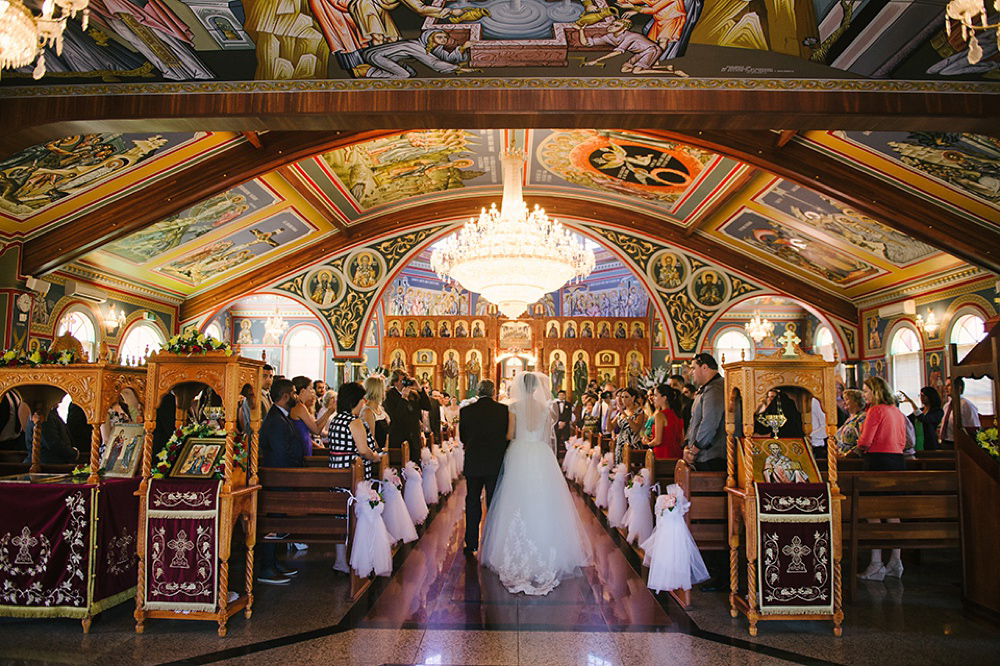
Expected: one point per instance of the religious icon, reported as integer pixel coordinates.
(709, 289)
(607, 359)
(874, 337)
(634, 369)
(637, 331)
(473, 369)
(587, 331)
(397, 361)
(444, 331)
(393, 331)
(477, 330)
(323, 288)
(779, 468)
(411, 329)
(553, 331)
(557, 372)
(605, 331)
(198, 457)
(450, 371)
(570, 329)
(460, 331)
(580, 376)
(366, 270)
(426, 331)
(620, 331)
(668, 272)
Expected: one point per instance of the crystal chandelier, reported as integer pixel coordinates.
(512, 257)
(24, 36)
(274, 328)
(965, 12)
(929, 325)
(758, 327)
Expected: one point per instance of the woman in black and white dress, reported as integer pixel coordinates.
(349, 437)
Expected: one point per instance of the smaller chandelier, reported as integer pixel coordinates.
(512, 256)
(758, 328)
(113, 320)
(274, 328)
(965, 12)
(24, 36)
(929, 325)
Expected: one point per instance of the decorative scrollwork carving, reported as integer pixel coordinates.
(293, 286)
(394, 249)
(741, 287)
(687, 319)
(637, 249)
(172, 376)
(347, 316)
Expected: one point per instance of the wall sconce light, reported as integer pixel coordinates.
(112, 320)
(929, 325)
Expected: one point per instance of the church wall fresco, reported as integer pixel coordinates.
(270, 41)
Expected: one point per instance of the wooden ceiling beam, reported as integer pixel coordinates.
(567, 207)
(893, 206)
(185, 188)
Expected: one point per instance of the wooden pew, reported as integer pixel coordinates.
(708, 517)
(926, 502)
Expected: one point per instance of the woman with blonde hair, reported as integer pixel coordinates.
(376, 418)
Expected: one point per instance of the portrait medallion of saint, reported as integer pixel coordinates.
(365, 269)
(668, 271)
(324, 286)
(709, 289)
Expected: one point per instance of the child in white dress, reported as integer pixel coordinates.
(671, 553)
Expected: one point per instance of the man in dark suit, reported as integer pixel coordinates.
(483, 427)
(563, 413)
(279, 447)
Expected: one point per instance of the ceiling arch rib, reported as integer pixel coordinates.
(568, 207)
(185, 188)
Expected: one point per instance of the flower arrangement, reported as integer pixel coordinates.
(666, 502)
(652, 378)
(374, 497)
(190, 343)
(392, 476)
(18, 357)
(987, 439)
(168, 456)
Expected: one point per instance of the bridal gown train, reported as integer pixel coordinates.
(533, 537)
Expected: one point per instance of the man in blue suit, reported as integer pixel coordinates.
(279, 447)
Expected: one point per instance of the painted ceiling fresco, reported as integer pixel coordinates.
(795, 228)
(172, 40)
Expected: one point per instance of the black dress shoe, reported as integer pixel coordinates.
(285, 571)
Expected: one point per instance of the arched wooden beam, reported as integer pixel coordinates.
(623, 102)
(183, 189)
(918, 218)
(567, 207)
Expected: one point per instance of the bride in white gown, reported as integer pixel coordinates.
(533, 537)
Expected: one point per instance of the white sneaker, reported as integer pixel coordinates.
(894, 569)
(875, 572)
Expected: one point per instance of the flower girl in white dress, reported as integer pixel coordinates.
(533, 537)
(671, 553)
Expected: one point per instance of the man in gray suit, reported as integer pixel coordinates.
(483, 427)
(706, 435)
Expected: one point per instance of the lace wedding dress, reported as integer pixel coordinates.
(533, 537)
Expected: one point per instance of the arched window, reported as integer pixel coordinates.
(142, 339)
(824, 343)
(215, 331)
(966, 332)
(905, 364)
(79, 323)
(305, 353)
(730, 345)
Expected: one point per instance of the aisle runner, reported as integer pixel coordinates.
(794, 555)
(182, 544)
(45, 537)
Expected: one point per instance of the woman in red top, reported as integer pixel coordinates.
(668, 426)
(883, 437)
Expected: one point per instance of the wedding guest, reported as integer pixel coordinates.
(57, 445)
(247, 404)
(970, 415)
(279, 447)
(267, 376)
(929, 416)
(375, 417)
(630, 421)
(668, 426)
(706, 435)
(591, 414)
(306, 426)
(80, 431)
(849, 433)
(14, 417)
(677, 383)
(349, 435)
(319, 388)
(883, 438)
(449, 413)
(328, 409)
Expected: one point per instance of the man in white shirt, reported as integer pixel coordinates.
(818, 433)
(970, 415)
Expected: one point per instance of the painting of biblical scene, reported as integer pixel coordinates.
(192, 223)
(385, 170)
(198, 457)
(968, 162)
(798, 249)
(411, 295)
(838, 221)
(46, 173)
(123, 450)
(324, 287)
(783, 461)
(622, 297)
(622, 163)
(224, 255)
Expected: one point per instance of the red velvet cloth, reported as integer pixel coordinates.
(116, 566)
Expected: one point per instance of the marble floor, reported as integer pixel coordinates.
(440, 607)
